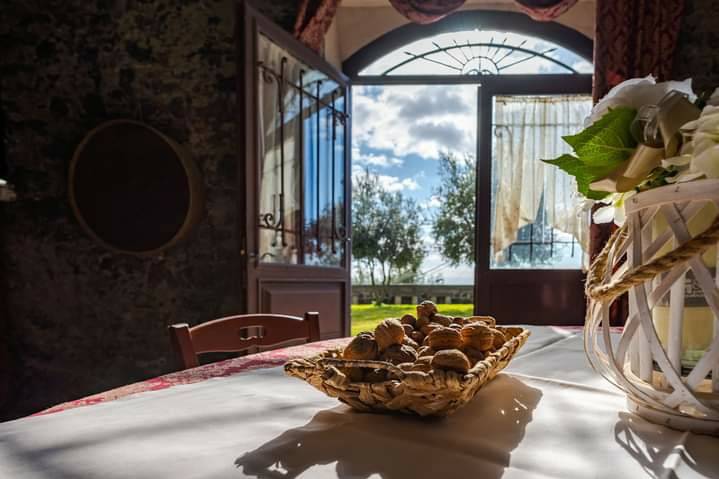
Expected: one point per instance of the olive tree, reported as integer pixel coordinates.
(453, 224)
(387, 245)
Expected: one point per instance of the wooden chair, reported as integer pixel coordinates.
(240, 333)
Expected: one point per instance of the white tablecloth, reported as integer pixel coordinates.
(549, 415)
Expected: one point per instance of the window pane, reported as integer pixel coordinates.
(417, 142)
(537, 216)
(302, 123)
(324, 172)
(279, 165)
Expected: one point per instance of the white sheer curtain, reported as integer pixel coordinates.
(528, 129)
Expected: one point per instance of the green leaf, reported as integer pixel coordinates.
(584, 174)
(599, 149)
(608, 142)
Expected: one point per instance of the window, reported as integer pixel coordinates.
(537, 218)
(302, 118)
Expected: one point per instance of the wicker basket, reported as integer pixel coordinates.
(437, 393)
(646, 362)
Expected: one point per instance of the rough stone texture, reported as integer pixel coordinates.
(81, 319)
(697, 55)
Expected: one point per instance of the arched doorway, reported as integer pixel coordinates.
(521, 86)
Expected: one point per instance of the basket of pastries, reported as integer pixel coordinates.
(429, 364)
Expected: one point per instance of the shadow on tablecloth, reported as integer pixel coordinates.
(661, 450)
(476, 441)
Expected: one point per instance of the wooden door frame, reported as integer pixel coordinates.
(484, 275)
(250, 24)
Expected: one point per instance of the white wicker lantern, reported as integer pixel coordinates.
(667, 358)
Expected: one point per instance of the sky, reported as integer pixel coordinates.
(398, 131)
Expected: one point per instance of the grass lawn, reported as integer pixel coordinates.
(366, 316)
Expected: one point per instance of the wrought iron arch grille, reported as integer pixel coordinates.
(555, 34)
(481, 58)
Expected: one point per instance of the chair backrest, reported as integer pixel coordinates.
(238, 333)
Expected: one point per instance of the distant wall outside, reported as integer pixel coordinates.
(414, 293)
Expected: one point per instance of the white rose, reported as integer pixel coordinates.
(637, 92)
(704, 146)
(707, 162)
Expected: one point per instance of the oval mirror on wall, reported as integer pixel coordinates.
(133, 189)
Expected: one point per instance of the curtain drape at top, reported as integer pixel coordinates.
(528, 129)
(634, 39)
(313, 20)
(545, 10)
(314, 17)
(428, 11)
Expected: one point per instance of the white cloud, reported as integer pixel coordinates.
(393, 183)
(381, 161)
(422, 120)
(432, 202)
(388, 182)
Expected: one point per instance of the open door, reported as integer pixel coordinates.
(295, 171)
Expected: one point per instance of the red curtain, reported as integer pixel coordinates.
(313, 20)
(315, 16)
(426, 11)
(545, 10)
(632, 39)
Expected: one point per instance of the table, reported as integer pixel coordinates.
(548, 415)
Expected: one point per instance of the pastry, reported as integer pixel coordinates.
(425, 351)
(452, 360)
(421, 322)
(408, 319)
(488, 320)
(407, 341)
(477, 335)
(499, 339)
(399, 353)
(442, 319)
(417, 336)
(426, 309)
(444, 338)
(362, 347)
(389, 332)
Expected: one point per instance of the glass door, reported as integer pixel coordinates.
(531, 226)
(295, 241)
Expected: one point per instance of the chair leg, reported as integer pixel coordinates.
(313, 323)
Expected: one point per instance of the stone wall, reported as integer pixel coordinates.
(697, 55)
(414, 293)
(81, 319)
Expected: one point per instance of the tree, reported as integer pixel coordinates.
(453, 225)
(386, 238)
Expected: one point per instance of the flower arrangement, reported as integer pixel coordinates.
(640, 136)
